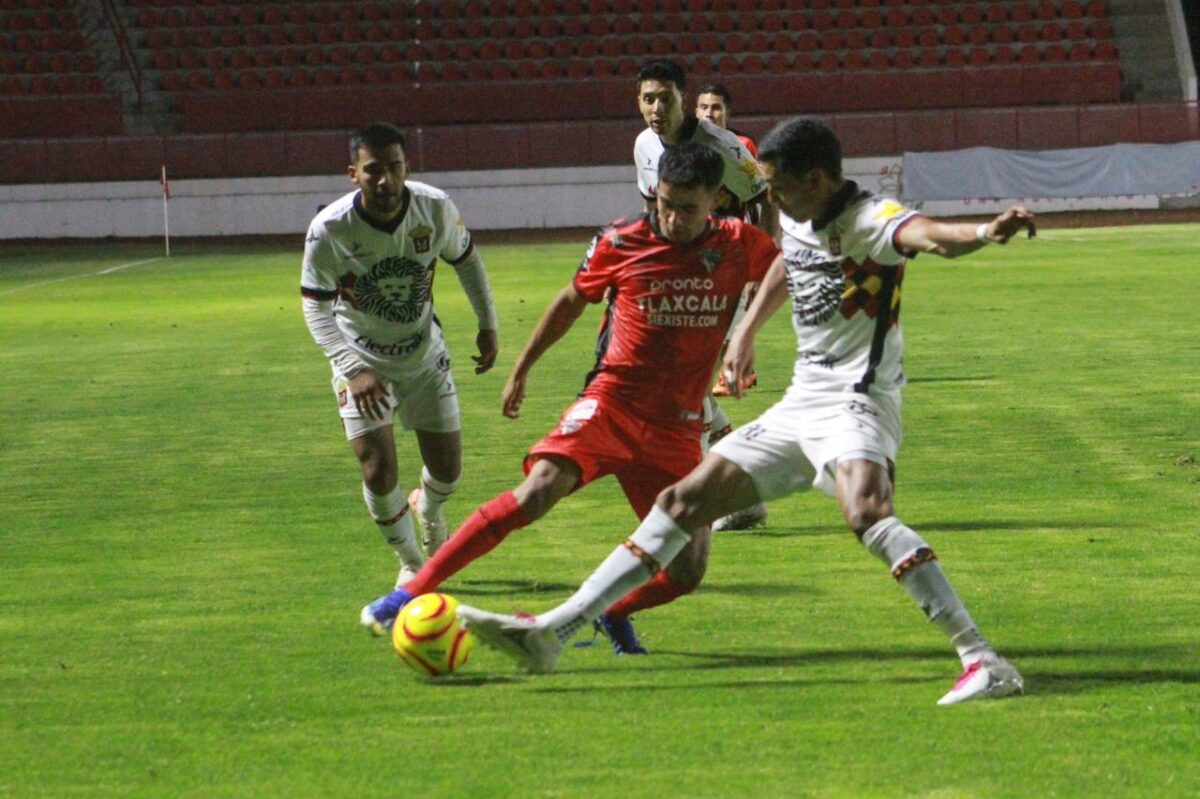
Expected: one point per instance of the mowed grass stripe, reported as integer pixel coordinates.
(183, 552)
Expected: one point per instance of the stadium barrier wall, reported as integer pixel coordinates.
(493, 200)
(453, 148)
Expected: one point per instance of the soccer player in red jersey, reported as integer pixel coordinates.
(677, 273)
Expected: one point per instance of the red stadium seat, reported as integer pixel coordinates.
(1102, 29)
(954, 58)
(828, 62)
(1027, 33)
(929, 38)
(1046, 11)
(1051, 32)
(1106, 51)
(954, 35)
(978, 56)
(878, 59)
(1054, 53)
(222, 80)
(778, 62)
(832, 40)
(1028, 54)
(1003, 35)
(905, 39)
(971, 15)
(854, 60)
(928, 57)
(1003, 54)
(782, 43)
(821, 20)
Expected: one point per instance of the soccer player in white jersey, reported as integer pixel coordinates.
(838, 426)
(660, 85)
(366, 284)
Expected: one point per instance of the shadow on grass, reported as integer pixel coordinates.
(953, 379)
(758, 589)
(1037, 681)
(998, 524)
(502, 587)
(941, 526)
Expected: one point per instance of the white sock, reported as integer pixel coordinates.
(434, 492)
(915, 566)
(390, 512)
(653, 545)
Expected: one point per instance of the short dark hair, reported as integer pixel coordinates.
(691, 165)
(375, 136)
(662, 69)
(799, 145)
(718, 89)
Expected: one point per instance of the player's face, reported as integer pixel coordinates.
(801, 198)
(661, 104)
(380, 175)
(683, 213)
(712, 107)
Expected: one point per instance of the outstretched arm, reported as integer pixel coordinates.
(554, 324)
(474, 280)
(952, 239)
(739, 355)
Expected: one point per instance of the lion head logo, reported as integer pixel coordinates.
(395, 289)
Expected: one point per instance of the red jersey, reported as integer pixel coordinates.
(672, 306)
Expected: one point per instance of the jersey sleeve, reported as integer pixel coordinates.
(455, 238)
(596, 273)
(646, 167)
(742, 176)
(882, 219)
(318, 271)
(761, 251)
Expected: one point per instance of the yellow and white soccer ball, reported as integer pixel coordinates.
(428, 636)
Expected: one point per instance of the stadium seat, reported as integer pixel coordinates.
(1054, 53)
(1003, 35)
(1106, 51)
(1079, 52)
(978, 56)
(928, 57)
(1028, 54)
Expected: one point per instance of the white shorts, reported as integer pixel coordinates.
(799, 441)
(424, 400)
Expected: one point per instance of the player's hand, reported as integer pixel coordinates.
(1010, 223)
(488, 343)
(369, 393)
(513, 396)
(738, 364)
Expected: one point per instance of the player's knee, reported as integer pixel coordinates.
(862, 514)
(680, 502)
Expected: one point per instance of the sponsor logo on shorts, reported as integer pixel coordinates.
(393, 349)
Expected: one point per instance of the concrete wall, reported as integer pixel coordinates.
(492, 200)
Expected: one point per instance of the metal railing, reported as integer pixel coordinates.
(128, 61)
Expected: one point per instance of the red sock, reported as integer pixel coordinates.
(477, 536)
(658, 591)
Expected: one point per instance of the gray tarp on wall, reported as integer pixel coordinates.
(1117, 170)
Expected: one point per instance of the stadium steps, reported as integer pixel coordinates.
(1143, 37)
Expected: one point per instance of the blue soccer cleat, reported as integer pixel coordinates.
(379, 616)
(620, 631)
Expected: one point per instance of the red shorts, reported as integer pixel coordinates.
(601, 436)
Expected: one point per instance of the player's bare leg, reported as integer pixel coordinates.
(864, 491)
(549, 480)
(385, 499)
(714, 488)
(442, 456)
(751, 516)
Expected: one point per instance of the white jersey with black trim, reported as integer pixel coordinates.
(742, 177)
(380, 280)
(844, 274)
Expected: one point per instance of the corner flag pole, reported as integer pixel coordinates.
(166, 189)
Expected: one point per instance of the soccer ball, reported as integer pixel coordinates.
(428, 636)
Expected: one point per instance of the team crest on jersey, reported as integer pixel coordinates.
(835, 245)
(421, 237)
(395, 289)
(711, 259)
(889, 210)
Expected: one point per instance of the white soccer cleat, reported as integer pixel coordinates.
(433, 528)
(990, 678)
(535, 649)
(406, 574)
(744, 519)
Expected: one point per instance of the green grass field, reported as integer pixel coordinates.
(184, 551)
